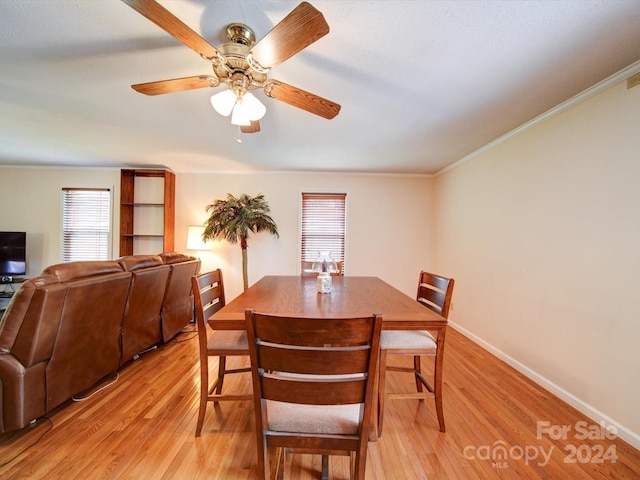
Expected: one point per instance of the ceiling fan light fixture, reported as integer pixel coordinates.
(255, 107)
(240, 115)
(243, 106)
(234, 63)
(224, 102)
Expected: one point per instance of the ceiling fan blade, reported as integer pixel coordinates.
(301, 99)
(173, 26)
(253, 128)
(303, 26)
(175, 85)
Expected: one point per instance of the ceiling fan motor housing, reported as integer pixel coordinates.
(240, 33)
(235, 55)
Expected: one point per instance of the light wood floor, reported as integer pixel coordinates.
(143, 427)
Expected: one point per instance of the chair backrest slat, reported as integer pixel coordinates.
(208, 292)
(434, 292)
(208, 298)
(327, 391)
(312, 331)
(310, 361)
(212, 299)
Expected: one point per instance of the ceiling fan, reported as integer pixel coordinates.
(243, 64)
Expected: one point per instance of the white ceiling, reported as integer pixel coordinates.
(422, 83)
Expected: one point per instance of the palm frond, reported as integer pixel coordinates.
(236, 217)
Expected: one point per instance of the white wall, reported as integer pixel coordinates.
(542, 234)
(388, 231)
(33, 204)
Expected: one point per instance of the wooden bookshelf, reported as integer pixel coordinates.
(147, 211)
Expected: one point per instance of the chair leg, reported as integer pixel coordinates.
(352, 465)
(437, 387)
(264, 466)
(418, 372)
(222, 368)
(204, 396)
(359, 463)
(278, 464)
(382, 375)
(325, 467)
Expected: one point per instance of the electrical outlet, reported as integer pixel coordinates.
(633, 80)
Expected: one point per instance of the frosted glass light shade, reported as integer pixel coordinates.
(223, 102)
(247, 108)
(256, 109)
(240, 115)
(243, 107)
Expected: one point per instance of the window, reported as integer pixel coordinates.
(323, 226)
(86, 224)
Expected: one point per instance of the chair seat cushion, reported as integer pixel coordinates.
(228, 340)
(407, 339)
(325, 419)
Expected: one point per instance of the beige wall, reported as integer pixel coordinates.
(389, 219)
(542, 234)
(388, 230)
(33, 204)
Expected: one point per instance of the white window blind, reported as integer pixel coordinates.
(323, 227)
(86, 221)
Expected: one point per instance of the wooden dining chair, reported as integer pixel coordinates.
(313, 381)
(208, 293)
(434, 292)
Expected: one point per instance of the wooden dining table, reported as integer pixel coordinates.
(351, 296)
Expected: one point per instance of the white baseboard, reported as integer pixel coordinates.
(632, 438)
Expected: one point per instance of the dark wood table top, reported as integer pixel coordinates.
(351, 297)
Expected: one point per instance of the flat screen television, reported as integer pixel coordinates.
(13, 253)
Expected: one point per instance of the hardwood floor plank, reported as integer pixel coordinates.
(143, 427)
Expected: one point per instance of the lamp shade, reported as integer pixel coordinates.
(194, 238)
(325, 263)
(223, 102)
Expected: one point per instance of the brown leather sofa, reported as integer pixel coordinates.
(141, 324)
(68, 328)
(174, 308)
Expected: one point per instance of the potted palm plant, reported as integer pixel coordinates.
(235, 218)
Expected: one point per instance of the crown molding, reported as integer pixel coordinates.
(599, 87)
